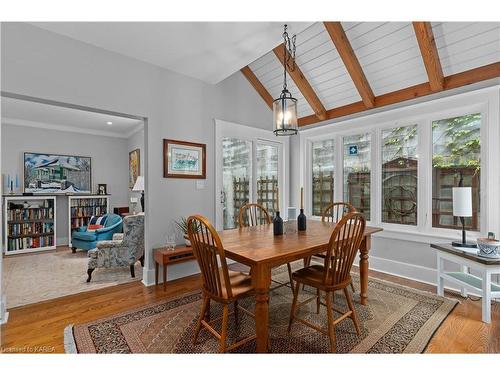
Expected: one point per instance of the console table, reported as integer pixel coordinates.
(468, 258)
(166, 257)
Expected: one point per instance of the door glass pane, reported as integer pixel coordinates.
(399, 175)
(267, 177)
(456, 159)
(323, 158)
(236, 178)
(357, 172)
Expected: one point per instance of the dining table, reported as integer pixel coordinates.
(258, 248)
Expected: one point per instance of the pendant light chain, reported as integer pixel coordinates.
(285, 107)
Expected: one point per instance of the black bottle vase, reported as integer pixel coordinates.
(277, 224)
(301, 221)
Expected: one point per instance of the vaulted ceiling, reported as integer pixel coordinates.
(348, 67)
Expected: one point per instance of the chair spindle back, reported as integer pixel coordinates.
(336, 211)
(343, 247)
(208, 250)
(252, 214)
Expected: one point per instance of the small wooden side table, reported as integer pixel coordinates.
(166, 257)
(468, 258)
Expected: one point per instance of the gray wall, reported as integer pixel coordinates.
(43, 64)
(109, 161)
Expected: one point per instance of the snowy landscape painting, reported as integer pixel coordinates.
(52, 173)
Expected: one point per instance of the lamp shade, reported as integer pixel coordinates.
(139, 184)
(462, 201)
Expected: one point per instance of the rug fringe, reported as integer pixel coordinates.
(69, 340)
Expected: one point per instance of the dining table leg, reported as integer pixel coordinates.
(363, 268)
(261, 279)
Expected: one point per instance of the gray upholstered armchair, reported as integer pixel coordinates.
(124, 250)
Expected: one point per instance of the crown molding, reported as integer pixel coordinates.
(65, 128)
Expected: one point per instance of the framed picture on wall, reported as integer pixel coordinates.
(57, 174)
(134, 166)
(184, 159)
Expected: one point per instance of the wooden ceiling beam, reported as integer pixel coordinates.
(454, 81)
(429, 52)
(258, 86)
(351, 62)
(302, 84)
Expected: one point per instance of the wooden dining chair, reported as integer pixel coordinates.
(252, 214)
(219, 284)
(333, 213)
(335, 274)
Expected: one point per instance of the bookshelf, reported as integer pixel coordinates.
(29, 224)
(82, 207)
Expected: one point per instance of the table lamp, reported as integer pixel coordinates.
(139, 186)
(462, 207)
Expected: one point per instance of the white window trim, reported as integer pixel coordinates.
(485, 101)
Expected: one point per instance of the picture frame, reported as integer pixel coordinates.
(184, 159)
(134, 166)
(48, 173)
(102, 189)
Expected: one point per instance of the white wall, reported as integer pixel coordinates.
(39, 63)
(109, 162)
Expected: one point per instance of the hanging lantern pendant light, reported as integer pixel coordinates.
(285, 107)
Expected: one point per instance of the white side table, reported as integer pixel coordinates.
(468, 259)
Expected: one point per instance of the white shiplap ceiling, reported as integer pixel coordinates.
(389, 56)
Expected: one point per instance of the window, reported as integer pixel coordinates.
(399, 175)
(323, 158)
(456, 149)
(267, 176)
(236, 170)
(357, 172)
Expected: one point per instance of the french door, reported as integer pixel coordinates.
(249, 168)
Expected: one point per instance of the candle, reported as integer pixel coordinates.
(278, 199)
(301, 198)
(17, 181)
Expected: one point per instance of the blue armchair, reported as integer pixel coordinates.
(82, 239)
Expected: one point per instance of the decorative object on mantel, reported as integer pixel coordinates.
(182, 225)
(57, 174)
(462, 207)
(184, 159)
(285, 107)
(134, 166)
(11, 184)
(102, 189)
(139, 187)
(301, 219)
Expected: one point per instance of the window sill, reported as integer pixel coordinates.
(423, 237)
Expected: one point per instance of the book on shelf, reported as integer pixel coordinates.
(82, 209)
(29, 225)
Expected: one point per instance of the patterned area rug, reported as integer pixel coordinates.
(396, 320)
(39, 277)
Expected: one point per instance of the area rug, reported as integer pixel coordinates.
(39, 277)
(396, 320)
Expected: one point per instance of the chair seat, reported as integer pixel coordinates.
(241, 283)
(313, 276)
(84, 236)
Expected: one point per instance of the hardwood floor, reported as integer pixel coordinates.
(40, 326)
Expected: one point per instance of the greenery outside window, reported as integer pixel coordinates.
(399, 175)
(456, 151)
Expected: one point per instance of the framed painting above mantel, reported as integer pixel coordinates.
(57, 174)
(184, 159)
